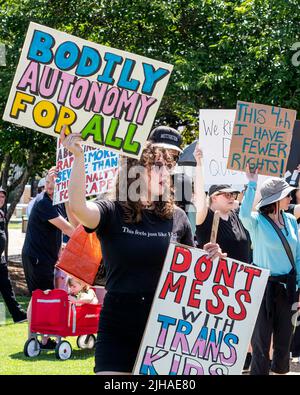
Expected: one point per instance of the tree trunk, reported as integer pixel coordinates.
(18, 193)
(5, 171)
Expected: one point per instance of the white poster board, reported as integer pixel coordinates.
(215, 132)
(202, 317)
(101, 167)
(109, 96)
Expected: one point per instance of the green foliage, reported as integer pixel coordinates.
(222, 51)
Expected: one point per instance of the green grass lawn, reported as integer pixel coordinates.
(13, 361)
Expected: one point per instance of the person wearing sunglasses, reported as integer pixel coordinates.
(232, 237)
(275, 241)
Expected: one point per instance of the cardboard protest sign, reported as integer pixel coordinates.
(100, 168)
(202, 317)
(261, 138)
(215, 132)
(110, 96)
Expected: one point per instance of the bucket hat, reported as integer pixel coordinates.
(273, 190)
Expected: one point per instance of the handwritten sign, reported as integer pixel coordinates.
(202, 317)
(261, 138)
(100, 169)
(215, 137)
(110, 96)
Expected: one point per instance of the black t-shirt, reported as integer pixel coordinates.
(232, 237)
(291, 211)
(134, 254)
(43, 240)
(2, 232)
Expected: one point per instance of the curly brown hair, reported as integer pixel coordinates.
(133, 209)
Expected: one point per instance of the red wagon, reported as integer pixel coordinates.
(54, 315)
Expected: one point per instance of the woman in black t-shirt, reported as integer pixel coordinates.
(135, 230)
(232, 237)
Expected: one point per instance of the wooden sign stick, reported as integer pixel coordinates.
(215, 226)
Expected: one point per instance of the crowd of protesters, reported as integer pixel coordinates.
(123, 225)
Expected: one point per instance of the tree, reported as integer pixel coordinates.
(222, 51)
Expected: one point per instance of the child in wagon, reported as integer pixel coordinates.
(80, 292)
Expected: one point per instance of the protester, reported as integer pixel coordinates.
(294, 208)
(271, 251)
(17, 313)
(232, 237)
(80, 293)
(134, 230)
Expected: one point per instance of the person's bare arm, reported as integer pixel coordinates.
(71, 216)
(297, 211)
(86, 212)
(63, 225)
(200, 197)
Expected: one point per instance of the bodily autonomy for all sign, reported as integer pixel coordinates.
(202, 317)
(110, 96)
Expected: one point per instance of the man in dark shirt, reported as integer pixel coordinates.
(43, 239)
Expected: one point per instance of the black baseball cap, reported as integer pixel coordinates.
(166, 137)
(221, 188)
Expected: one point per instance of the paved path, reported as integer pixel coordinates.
(15, 241)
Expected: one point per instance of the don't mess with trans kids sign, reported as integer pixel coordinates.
(101, 167)
(202, 317)
(109, 96)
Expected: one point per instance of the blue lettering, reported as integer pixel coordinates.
(66, 55)
(89, 63)
(152, 77)
(112, 61)
(124, 80)
(40, 47)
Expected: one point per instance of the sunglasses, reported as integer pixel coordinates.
(229, 195)
(159, 164)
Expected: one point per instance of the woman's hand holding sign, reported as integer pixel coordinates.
(86, 212)
(252, 175)
(72, 142)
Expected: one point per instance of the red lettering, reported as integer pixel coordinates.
(63, 195)
(210, 307)
(194, 291)
(222, 271)
(243, 313)
(59, 165)
(185, 256)
(170, 286)
(201, 273)
(251, 272)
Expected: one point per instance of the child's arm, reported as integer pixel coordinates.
(87, 297)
